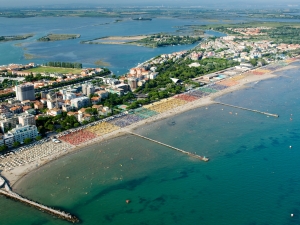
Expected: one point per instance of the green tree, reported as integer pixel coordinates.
(3, 147)
(16, 144)
(38, 137)
(27, 140)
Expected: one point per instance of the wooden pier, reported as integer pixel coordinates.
(203, 158)
(251, 110)
(55, 212)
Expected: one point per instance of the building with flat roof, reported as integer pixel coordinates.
(25, 92)
(27, 119)
(8, 140)
(20, 133)
(8, 123)
(80, 102)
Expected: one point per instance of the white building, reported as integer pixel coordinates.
(69, 96)
(27, 119)
(80, 102)
(8, 140)
(21, 133)
(51, 104)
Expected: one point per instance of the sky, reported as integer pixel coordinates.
(31, 3)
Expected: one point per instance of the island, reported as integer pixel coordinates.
(15, 37)
(151, 41)
(58, 37)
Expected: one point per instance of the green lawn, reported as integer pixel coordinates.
(47, 69)
(251, 24)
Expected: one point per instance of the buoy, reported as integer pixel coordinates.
(290, 146)
(292, 215)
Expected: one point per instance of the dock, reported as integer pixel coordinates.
(55, 212)
(203, 158)
(251, 110)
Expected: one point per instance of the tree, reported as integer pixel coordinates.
(27, 140)
(50, 127)
(253, 62)
(16, 144)
(3, 147)
(38, 138)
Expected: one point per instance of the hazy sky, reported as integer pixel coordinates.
(22, 3)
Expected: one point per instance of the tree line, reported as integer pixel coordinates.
(64, 65)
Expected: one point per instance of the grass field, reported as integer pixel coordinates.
(250, 24)
(59, 37)
(48, 69)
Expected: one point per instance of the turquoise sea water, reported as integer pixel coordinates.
(253, 177)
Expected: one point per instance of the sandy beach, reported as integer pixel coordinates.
(18, 172)
(118, 40)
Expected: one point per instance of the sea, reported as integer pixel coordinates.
(252, 178)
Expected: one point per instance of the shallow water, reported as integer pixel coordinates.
(252, 178)
(120, 57)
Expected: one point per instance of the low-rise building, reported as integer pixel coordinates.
(105, 111)
(102, 94)
(117, 91)
(95, 100)
(98, 107)
(54, 112)
(16, 109)
(73, 114)
(38, 105)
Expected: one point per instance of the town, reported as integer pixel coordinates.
(37, 104)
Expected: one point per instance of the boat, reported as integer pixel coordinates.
(142, 18)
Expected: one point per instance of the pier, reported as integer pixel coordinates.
(203, 158)
(55, 212)
(251, 110)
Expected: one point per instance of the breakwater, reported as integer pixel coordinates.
(55, 212)
(203, 158)
(251, 110)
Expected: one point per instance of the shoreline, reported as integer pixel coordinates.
(15, 175)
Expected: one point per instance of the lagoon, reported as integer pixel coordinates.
(121, 58)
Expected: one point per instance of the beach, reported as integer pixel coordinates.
(252, 173)
(18, 172)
